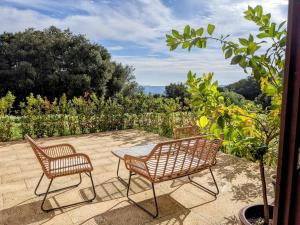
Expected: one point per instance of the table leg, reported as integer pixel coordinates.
(120, 178)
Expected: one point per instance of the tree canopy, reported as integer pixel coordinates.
(176, 90)
(249, 88)
(52, 62)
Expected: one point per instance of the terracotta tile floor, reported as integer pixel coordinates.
(179, 201)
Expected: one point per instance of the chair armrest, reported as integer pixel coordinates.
(69, 161)
(136, 164)
(59, 150)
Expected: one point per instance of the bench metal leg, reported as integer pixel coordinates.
(60, 189)
(64, 206)
(145, 210)
(206, 189)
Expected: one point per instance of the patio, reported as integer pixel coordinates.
(179, 201)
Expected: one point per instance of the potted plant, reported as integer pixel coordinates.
(250, 129)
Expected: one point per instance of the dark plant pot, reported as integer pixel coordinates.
(253, 212)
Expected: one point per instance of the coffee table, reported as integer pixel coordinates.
(137, 151)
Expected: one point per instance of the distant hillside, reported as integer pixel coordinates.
(154, 89)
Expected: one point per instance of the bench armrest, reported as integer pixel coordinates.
(59, 150)
(136, 164)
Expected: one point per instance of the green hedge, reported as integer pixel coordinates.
(39, 117)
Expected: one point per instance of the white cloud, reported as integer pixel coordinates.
(115, 48)
(158, 71)
(144, 23)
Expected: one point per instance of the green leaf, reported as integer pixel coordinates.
(168, 36)
(203, 121)
(243, 63)
(259, 10)
(282, 42)
(213, 127)
(243, 41)
(176, 34)
(187, 31)
(217, 132)
(199, 31)
(252, 48)
(251, 39)
(174, 46)
(228, 53)
(253, 63)
(193, 33)
(224, 47)
(272, 30)
(210, 29)
(199, 43)
(185, 44)
(221, 121)
(203, 43)
(262, 35)
(236, 59)
(281, 25)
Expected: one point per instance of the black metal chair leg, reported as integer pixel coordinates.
(65, 206)
(206, 189)
(93, 187)
(60, 189)
(145, 210)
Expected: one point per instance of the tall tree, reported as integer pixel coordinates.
(249, 88)
(52, 62)
(122, 81)
(176, 90)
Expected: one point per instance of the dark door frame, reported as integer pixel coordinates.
(287, 203)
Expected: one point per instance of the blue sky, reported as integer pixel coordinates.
(134, 30)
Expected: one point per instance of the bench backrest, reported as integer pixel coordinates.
(182, 157)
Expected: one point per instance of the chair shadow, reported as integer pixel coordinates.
(171, 212)
(114, 189)
(25, 214)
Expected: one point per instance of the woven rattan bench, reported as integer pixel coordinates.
(174, 159)
(61, 160)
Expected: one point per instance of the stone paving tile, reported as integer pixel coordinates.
(13, 186)
(63, 219)
(179, 201)
(9, 170)
(1, 202)
(16, 163)
(30, 166)
(9, 158)
(21, 176)
(60, 181)
(13, 198)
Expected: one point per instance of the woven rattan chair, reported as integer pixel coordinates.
(175, 159)
(61, 160)
(185, 132)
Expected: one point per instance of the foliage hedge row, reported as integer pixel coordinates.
(39, 117)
